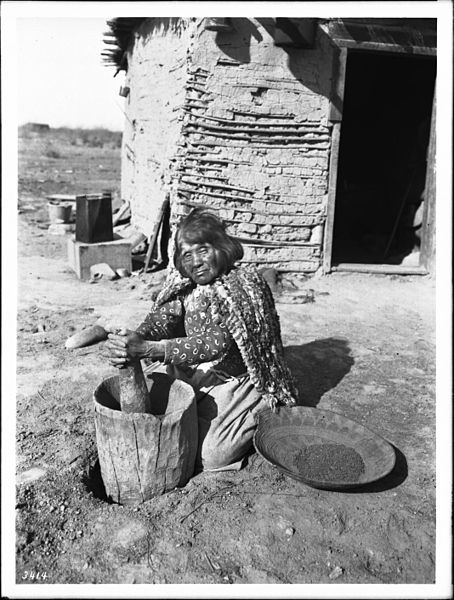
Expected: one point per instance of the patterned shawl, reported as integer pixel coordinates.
(243, 300)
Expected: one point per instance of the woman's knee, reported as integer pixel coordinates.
(216, 453)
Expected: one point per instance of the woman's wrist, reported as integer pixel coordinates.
(154, 350)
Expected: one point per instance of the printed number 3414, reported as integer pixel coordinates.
(32, 575)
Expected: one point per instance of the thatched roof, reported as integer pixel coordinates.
(121, 29)
(117, 39)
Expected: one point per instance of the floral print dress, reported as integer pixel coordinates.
(200, 350)
(192, 335)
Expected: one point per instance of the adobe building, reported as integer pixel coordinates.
(313, 139)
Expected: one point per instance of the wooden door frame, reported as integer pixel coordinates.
(426, 261)
(335, 117)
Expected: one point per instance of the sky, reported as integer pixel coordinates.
(61, 79)
(54, 51)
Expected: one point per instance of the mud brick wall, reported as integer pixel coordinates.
(251, 139)
(156, 76)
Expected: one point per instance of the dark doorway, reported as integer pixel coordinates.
(382, 158)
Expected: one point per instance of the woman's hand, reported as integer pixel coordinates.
(126, 346)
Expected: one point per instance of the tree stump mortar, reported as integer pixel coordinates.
(144, 455)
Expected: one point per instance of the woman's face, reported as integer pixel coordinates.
(200, 261)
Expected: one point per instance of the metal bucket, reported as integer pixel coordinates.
(59, 213)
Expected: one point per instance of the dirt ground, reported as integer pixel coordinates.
(364, 347)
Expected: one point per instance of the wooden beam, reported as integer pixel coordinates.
(337, 91)
(383, 269)
(122, 211)
(428, 220)
(381, 47)
(332, 187)
(154, 235)
(335, 116)
(259, 243)
(296, 33)
(251, 211)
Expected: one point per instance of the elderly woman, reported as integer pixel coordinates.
(215, 326)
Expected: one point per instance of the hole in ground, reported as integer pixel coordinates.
(92, 480)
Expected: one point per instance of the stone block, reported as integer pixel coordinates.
(245, 216)
(103, 270)
(266, 229)
(82, 256)
(317, 234)
(247, 228)
(61, 228)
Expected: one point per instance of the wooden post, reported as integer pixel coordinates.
(428, 223)
(332, 186)
(337, 98)
(337, 92)
(121, 212)
(154, 235)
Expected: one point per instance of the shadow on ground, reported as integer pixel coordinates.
(318, 367)
(395, 478)
(92, 480)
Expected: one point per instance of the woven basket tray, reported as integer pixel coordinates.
(279, 437)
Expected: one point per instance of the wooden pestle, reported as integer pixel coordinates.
(134, 396)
